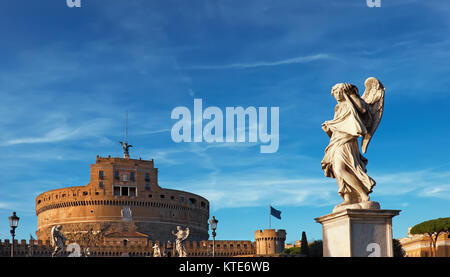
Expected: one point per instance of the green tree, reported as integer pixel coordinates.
(316, 249)
(304, 245)
(398, 249)
(432, 228)
(292, 251)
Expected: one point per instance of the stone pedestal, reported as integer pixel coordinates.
(358, 233)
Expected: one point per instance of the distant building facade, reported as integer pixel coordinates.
(419, 245)
(297, 243)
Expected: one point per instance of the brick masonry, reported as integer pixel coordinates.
(121, 191)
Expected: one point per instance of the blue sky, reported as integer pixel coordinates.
(67, 77)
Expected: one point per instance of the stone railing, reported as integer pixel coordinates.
(38, 248)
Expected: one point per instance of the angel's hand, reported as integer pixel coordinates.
(326, 129)
(360, 104)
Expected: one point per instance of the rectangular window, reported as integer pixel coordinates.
(100, 174)
(132, 176)
(147, 177)
(132, 191)
(125, 177)
(147, 186)
(124, 191)
(116, 191)
(116, 175)
(100, 184)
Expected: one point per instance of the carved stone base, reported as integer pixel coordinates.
(368, 205)
(358, 233)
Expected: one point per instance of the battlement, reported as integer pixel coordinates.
(270, 234)
(117, 160)
(38, 248)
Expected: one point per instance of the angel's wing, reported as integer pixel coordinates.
(52, 232)
(374, 98)
(186, 233)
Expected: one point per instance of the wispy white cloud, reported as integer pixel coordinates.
(18, 206)
(295, 60)
(278, 187)
(261, 191)
(91, 128)
(55, 135)
(191, 92)
(438, 191)
(424, 183)
(152, 132)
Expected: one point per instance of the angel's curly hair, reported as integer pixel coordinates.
(346, 88)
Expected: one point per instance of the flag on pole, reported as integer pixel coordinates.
(274, 212)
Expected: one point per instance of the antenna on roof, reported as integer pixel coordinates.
(125, 145)
(126, 128)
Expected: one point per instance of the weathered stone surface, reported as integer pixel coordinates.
(358, 233)
(354, 117)
(369, 205)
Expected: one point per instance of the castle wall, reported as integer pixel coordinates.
(269, 241)
(226, 248)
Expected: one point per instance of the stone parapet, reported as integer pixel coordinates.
(358, 233)
(224, 248)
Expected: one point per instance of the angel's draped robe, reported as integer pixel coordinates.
(345, 128)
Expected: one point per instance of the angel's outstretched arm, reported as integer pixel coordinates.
(327, 129)
(186, 233)
(359, 103)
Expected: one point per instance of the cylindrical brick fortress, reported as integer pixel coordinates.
(123, 192)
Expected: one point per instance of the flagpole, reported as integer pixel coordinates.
(270, 217)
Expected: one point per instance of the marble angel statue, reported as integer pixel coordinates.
(354, 117)
(181, 236)
(156, 251)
